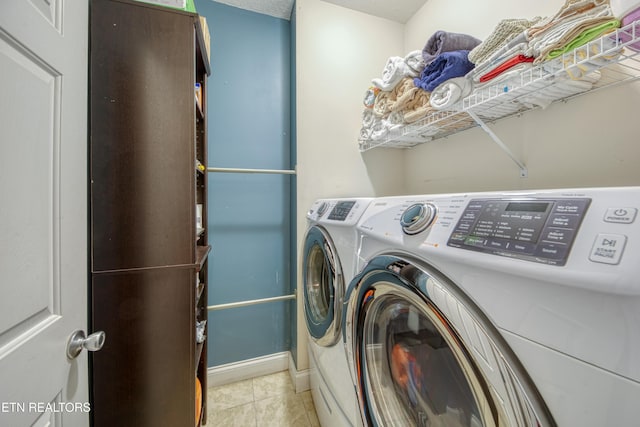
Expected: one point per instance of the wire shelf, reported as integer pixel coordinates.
(611, 60)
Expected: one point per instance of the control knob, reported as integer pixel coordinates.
(322, 208)
(417, 218)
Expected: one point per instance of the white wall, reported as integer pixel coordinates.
(588, 141)
(338, 52)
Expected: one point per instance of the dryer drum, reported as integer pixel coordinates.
(423, 354)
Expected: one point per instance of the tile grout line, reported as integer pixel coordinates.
(255, 407)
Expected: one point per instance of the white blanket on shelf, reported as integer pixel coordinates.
(450, 92)
(415, 61)
(394, 70)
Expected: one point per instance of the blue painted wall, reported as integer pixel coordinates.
(249, 221)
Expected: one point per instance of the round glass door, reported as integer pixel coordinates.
(423, 354)
(412, 376)
(323, 287)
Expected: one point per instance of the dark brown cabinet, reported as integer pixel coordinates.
(148, 251)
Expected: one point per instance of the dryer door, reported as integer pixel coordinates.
(323, 287)
(422, 354)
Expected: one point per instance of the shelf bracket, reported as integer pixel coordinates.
(524, 173)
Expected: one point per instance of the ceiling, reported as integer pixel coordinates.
(398, 10)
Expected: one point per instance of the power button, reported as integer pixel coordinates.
(621, 215)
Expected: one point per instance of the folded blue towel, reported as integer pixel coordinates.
(447, 65)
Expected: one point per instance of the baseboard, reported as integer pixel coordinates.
(300, 379)
(247, 369)
(257, 367)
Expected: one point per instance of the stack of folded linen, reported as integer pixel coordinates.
(390, 95)
(419, 108)
(577, 23)
(392, 109)
(446, 56)
(518, 44)
(401, 96)
(398, 68)
(444, 41)
(503, 51)
(508, 33)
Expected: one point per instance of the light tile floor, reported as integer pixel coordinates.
(261, 402)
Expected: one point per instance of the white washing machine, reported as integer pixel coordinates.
(498, 309)
(329, 262)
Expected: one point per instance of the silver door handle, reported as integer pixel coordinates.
(79, 340)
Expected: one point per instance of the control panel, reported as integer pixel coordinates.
(341, 210)
(539, 230)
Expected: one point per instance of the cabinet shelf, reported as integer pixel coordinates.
(609, 58)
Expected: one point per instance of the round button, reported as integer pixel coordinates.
(417, 218)
(322, 208)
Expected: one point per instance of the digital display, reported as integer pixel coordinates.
(341, 210)
(526, 207)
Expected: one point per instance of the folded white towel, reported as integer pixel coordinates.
(450, 92)
(415, 61)
(368, 118)
(394, 70)
(365, 134)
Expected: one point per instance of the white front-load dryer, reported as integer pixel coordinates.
(329, 259)
(498, 309)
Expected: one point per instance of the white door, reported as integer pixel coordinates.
(43, 211)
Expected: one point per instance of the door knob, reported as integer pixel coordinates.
(79, 340)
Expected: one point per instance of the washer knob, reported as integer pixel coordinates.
(417, 218)
(322, 208)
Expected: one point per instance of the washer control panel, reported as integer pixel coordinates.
(539, 230)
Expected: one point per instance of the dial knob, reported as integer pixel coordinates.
(417, 218)
(322, 208)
